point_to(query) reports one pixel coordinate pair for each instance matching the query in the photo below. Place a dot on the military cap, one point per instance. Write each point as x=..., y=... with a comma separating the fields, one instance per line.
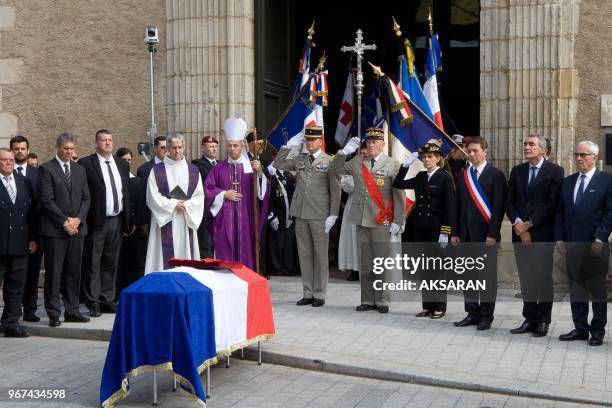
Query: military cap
x=313, y=132
x=430, y=148
x=375, y=133
x=209, y=139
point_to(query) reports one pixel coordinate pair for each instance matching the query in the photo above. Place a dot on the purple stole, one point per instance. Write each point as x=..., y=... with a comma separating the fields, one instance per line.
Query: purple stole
x=166, y=231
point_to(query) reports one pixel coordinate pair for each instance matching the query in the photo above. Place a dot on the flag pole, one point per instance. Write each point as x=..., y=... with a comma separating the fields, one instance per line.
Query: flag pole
x=256, y=153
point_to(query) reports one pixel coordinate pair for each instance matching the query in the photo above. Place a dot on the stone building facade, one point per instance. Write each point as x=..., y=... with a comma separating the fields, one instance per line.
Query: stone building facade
x=81, y=65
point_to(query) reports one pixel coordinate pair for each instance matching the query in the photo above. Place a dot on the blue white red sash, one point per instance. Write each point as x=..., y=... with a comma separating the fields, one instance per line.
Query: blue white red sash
x=478, y=196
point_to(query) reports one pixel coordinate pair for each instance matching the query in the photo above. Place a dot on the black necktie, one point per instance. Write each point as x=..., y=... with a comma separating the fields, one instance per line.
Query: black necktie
x=114, y=188
x=580, y=191
x=310, y=158
x=214, y=162
x=67, y=174
x=20, y=170
x=373, y=161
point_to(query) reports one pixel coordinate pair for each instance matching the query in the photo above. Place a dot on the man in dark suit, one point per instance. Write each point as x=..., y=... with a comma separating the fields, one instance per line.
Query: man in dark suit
x=479, y=224
x=209, y=148
x=533, y=195
x=108, y=179
x=134, y=244
x=582, y=227
x=159, y=151
x=64, y=201
x=16, y=241
x=21, y=148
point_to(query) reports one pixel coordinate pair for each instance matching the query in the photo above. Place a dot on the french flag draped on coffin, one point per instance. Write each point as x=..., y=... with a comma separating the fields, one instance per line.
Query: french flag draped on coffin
x=181, y=319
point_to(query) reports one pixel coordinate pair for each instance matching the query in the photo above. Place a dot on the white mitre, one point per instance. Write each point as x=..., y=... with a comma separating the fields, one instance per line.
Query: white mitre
x=235, y=129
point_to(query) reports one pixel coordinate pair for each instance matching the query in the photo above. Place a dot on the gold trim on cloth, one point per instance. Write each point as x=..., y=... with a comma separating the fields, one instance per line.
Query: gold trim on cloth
x=124, y=392
x=238, y=346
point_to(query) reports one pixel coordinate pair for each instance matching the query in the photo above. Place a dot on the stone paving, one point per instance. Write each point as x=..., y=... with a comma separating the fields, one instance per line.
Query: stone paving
x=398, y=346
x=76, y=365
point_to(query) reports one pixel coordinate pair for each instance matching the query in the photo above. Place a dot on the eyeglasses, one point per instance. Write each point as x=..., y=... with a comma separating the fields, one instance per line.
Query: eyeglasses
x=583, y=155
x=8, y=160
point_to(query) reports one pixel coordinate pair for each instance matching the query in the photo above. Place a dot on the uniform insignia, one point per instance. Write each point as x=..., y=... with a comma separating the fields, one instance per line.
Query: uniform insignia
x=321, y=167
x=381, y=173
x=380, y=182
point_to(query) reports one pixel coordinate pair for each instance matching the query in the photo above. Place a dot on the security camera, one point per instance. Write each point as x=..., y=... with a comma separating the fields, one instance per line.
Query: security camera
x=151, y=35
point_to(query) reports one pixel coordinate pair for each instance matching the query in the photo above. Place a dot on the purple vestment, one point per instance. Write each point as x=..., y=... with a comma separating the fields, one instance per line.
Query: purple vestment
x=232, y=228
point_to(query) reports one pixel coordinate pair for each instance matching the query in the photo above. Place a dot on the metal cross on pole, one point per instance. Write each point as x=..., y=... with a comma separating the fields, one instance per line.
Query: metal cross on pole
x=358, y=48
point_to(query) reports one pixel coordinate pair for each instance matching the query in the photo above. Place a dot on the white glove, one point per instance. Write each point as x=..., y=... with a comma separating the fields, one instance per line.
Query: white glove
x=395, y=229
x=329, y=223
x=274, y=224
x=295, y=141
x=351, y=147
x=411, y=159
x=443, y=240
x=271, y=170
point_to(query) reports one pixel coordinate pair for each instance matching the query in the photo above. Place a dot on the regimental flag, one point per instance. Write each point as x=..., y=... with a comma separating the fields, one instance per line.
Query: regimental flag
x=407, y=123
x=432, y=65
x=303, y=70
x=371, y=110
x=345, y=117
x=301, y=111
x=409, y=82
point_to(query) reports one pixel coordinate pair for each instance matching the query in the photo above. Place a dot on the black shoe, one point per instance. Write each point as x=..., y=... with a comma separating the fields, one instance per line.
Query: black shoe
x=94, y=310
x=16, y=332
x=424, y=313
x=541, y=330
x=54, y=322
x=468, y=321
x=595, y=341
x=484, y=325
x=318, y=302
x=574, y=335
x=108, y=308
x=353, y=276
x=525, y=327
x=30, y=317
x=304, y=301
x=383, y=309
x=75, y=318
x=365, y=307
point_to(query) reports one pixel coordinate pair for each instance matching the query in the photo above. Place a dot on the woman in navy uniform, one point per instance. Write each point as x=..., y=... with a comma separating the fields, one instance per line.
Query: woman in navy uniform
x=435, y=212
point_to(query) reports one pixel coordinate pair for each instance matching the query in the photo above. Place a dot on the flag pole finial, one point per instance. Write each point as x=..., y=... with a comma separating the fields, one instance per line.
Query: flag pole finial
x=430, y=19
x=377, y=71
x=322, y=62
x=311, y=30
x=396, y=27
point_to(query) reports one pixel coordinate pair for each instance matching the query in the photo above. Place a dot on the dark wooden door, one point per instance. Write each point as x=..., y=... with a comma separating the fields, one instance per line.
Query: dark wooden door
x=276, y=59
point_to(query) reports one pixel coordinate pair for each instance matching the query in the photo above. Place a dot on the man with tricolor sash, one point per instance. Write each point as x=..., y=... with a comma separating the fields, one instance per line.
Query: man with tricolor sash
x=481, y=195
x=377, y=209
x=315, y=206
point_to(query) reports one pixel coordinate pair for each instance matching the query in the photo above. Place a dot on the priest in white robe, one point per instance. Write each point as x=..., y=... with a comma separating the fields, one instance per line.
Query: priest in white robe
x=176, y=199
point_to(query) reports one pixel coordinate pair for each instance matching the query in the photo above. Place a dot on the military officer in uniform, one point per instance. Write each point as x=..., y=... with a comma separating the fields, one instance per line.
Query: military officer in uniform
x=435, y=213
x=315, y=206
x=377, y=210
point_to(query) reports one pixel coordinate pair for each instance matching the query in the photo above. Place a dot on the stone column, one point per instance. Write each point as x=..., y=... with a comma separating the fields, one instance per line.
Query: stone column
x=11, y=73
x=528, y=80
x=210, y=66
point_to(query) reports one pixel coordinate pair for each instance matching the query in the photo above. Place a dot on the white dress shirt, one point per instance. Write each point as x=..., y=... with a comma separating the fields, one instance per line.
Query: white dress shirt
x=107, y=183
x=589, y=176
